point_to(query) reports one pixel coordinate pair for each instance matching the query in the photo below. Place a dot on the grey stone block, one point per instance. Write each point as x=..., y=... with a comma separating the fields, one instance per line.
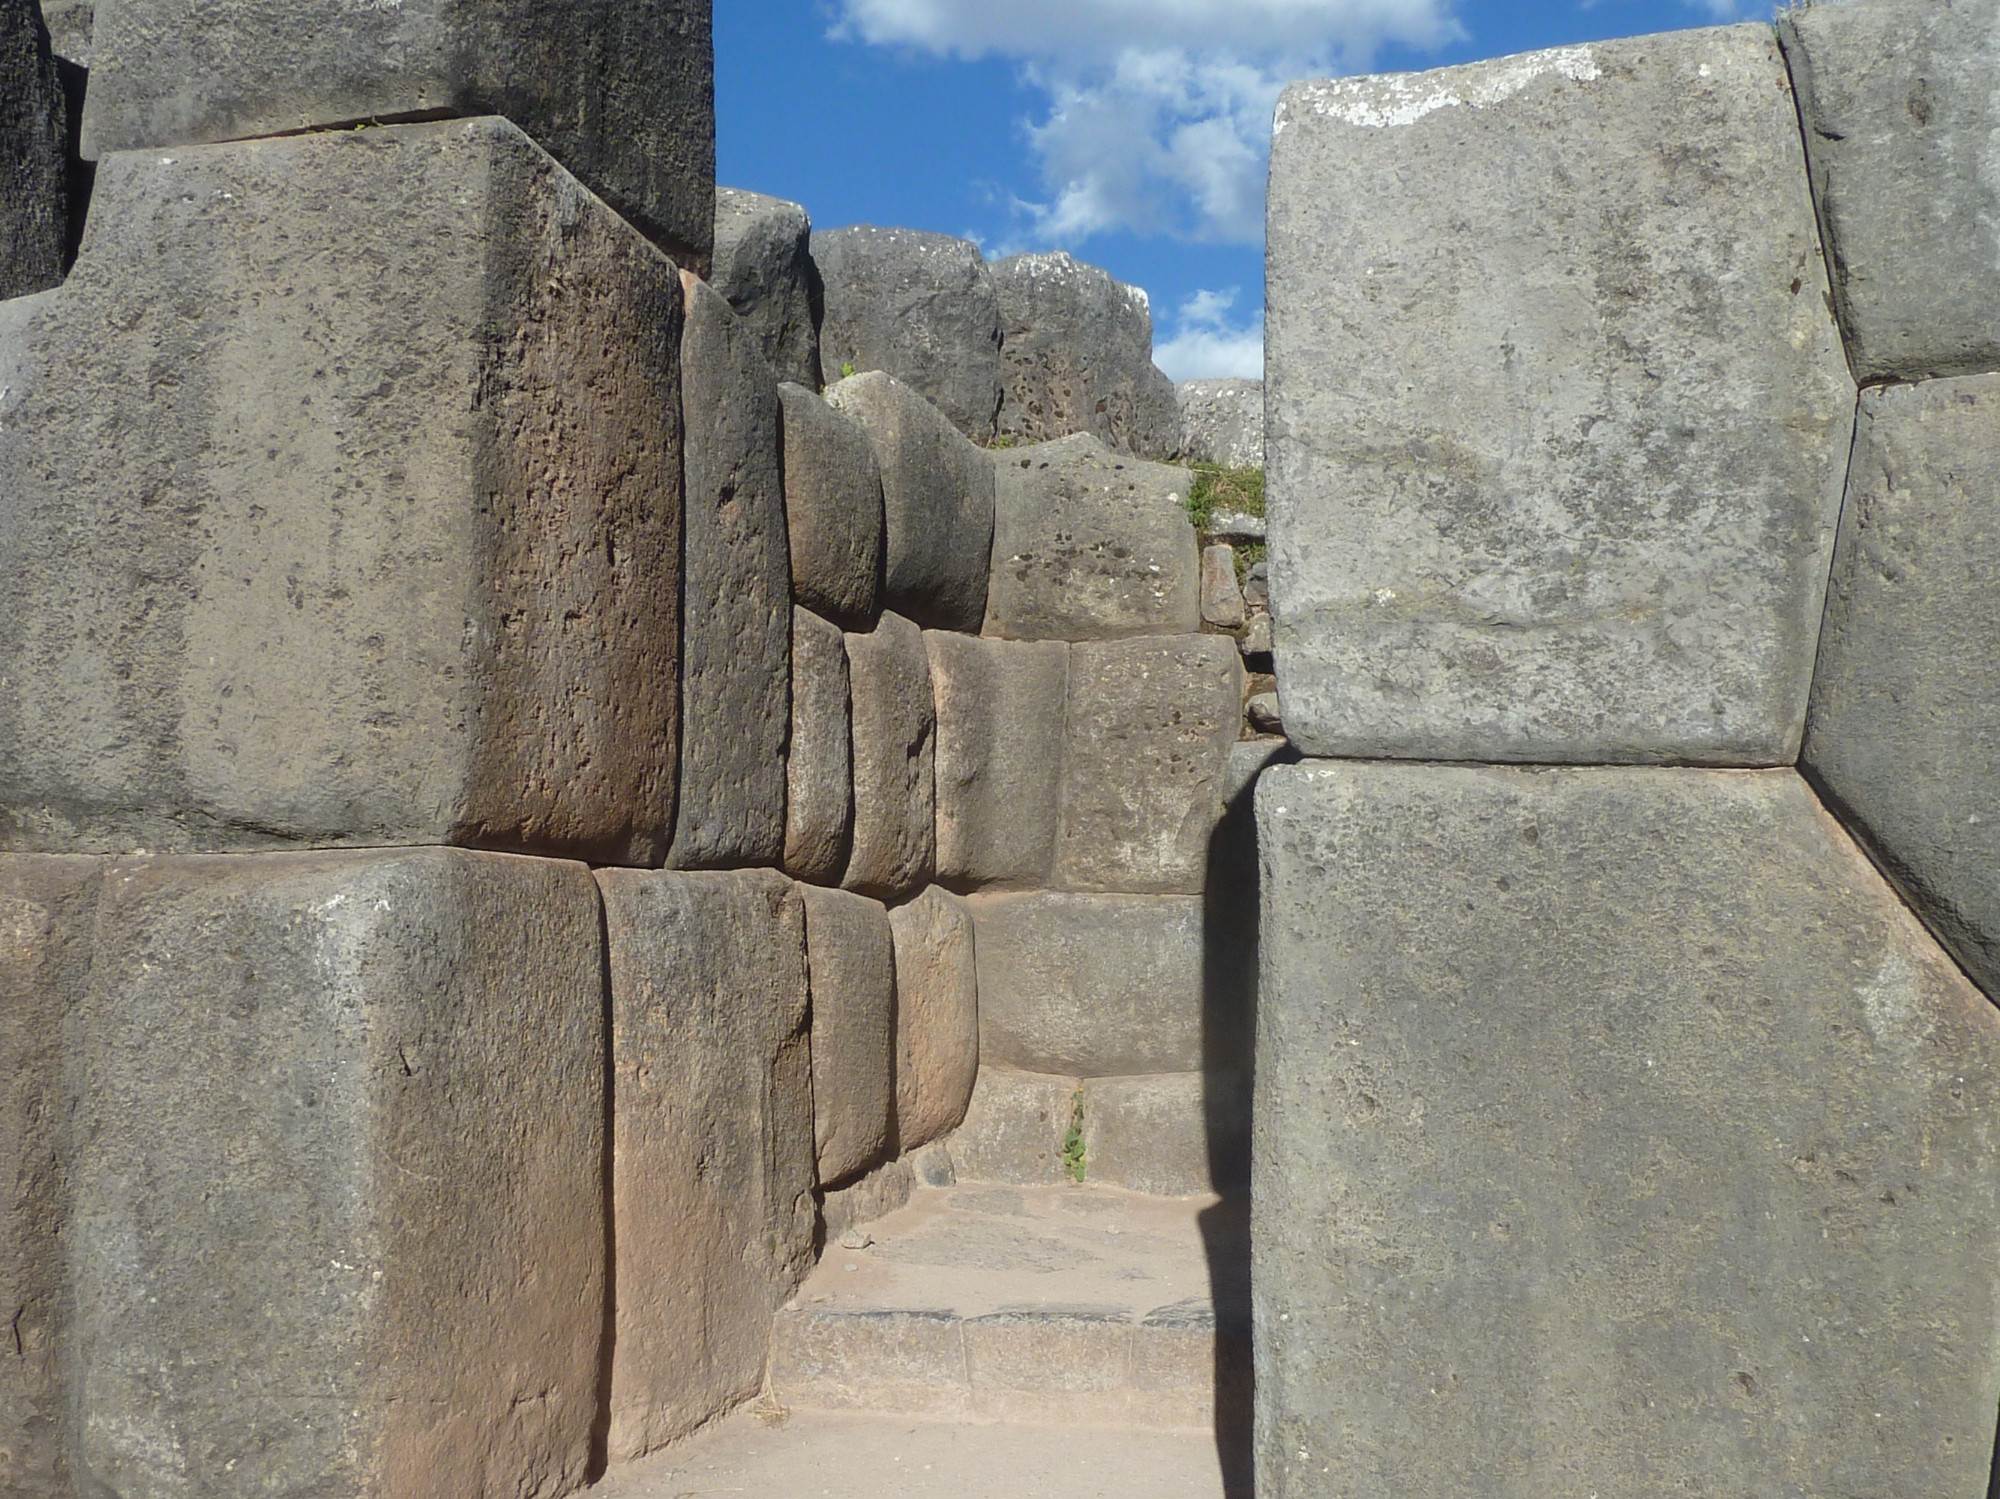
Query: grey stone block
x=937, y=1016
x=909, y=1362
x=1014, y=1128
x=713, y=1138
x=852, y=957
x=833, y=505
x=736, y=598
x=881, y=1192
x=1090, y=985
x=1000, y=706
x=339, y=1174
x=622, y=94
x=1906, y=708
x=920, y=307
x=47, y=906
x=34, y=198
x=763, y=265
x=1089, y=544
x=1076, y=355
x=819, y=768
x=937, y=502
x=70, y=24
x=1151, y=721
x=1221, y=595
x=1616, y=1130
x=1558, y=411
x=1222, y=421
x=1046, y=1361
x=1175, y=1134
x=393, y=558
x=1897, y=100
x=895, y=748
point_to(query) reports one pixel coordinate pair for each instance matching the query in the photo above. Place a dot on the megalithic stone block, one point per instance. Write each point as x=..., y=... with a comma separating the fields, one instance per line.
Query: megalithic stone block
x=894, y=721
x=622, y=94
x=1617, y=1131
x=1906, y=707
x=1559, y=414
x=852, y=956
x=393, y=557
x=819, y=770
x=339, y=1172
x=47, y=907
x=713, y=1159
x=763, y=265
x=833, y=506
x=1222, y=421
x=33, y=196
x=736, y=604
x=937, y=1016
x=1897, y=100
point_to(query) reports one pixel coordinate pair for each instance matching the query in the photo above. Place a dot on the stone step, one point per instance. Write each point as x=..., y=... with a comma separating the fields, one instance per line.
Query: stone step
x=1066, y=1305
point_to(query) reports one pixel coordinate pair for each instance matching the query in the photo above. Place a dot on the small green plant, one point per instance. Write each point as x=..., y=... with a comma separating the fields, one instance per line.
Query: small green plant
x=1248, y=556
x=847, y=370
x=1004, y=441
x=1237, y=490
x=1072, y=1149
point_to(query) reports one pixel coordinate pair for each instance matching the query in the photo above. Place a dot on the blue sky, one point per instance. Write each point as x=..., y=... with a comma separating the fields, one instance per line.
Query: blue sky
x=1129, y=132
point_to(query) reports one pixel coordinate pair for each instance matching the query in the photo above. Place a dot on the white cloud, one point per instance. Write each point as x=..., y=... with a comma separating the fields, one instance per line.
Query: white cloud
x=1208, y=345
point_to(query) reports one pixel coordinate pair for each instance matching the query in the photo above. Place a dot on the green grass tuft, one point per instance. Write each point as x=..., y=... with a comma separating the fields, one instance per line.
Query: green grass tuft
x=1072, y=1149
x=1240, y=490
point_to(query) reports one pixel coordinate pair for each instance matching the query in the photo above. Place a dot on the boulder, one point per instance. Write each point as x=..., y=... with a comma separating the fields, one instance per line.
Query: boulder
x=1089, y=544
x=736, y=598
x=1015, y=1129
x=894, y=850
x=1906, y=707
x=34, y=197
x=1222, y=421
x=622, y=94
x=1618, y=1130
x=394, y=556
x=1221, y=594
x=1076, y=355
x=920, y=307
x=338, y=1167
x=1899, y=109
x=819, y=770
x=1000, y=706
x=833, y=506
x=1149, y=727
x=713, y=1139
x=852, y=959
x=937, y=502
x=1558, y=411
x=937, y=1016
x=1174, y=1134
x=763, y=266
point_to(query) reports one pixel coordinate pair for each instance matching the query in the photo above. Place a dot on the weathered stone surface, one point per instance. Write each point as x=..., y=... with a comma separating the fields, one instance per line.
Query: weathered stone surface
x=713, y=1140
x=920, y=307
x=1174, y=1134
x=736, y=598
x=339, y=1175
x=1150, y=725
x=1089, y=544
x=1014, y=1128
x=34, y=200
x=1617, y=1130
x=46, y=910
x=878, y=1194
x=70, y=24
x=853, y=963
x=1906, y=708
x=1558, y=411
x=1000, y=706
x=1222, y=421
x=1076, y=355
x=937, y=502
x=1090, y=985
x=1258, y=639
x=1897, y=99
x=819, y=770
x=622, y=94
x=1265, y=713
x=833, y=505
x=1221, y=595
x=911, y=1362
x=937, y=1016
x=394, y=556
x=763, y=266
x=895, y=750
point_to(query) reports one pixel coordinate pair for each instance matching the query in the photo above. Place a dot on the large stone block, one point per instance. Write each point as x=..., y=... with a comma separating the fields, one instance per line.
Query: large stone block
x=921, y=307
x=1906, y=708
x=937, y=502
x=833, y=506
x=339, y=1172
x=763, y=265
x=1174, y=1134
x=713, y=1138
x=736, y=598
x=937, y=1016
x=622, y=94
x=1089, y=544
x=1222, y=421
x=1076, y=355
x=1145, y=758
x=34, y=199
x=1000, y=710
x=894, y=723
x=1090, y=985
x=47, y=906
x=1015, y=1129
x=1558, y=410
x=393, y=557
x=1617, y=1131
x=852, y=957
x=819, y=769
x=1898, y=104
